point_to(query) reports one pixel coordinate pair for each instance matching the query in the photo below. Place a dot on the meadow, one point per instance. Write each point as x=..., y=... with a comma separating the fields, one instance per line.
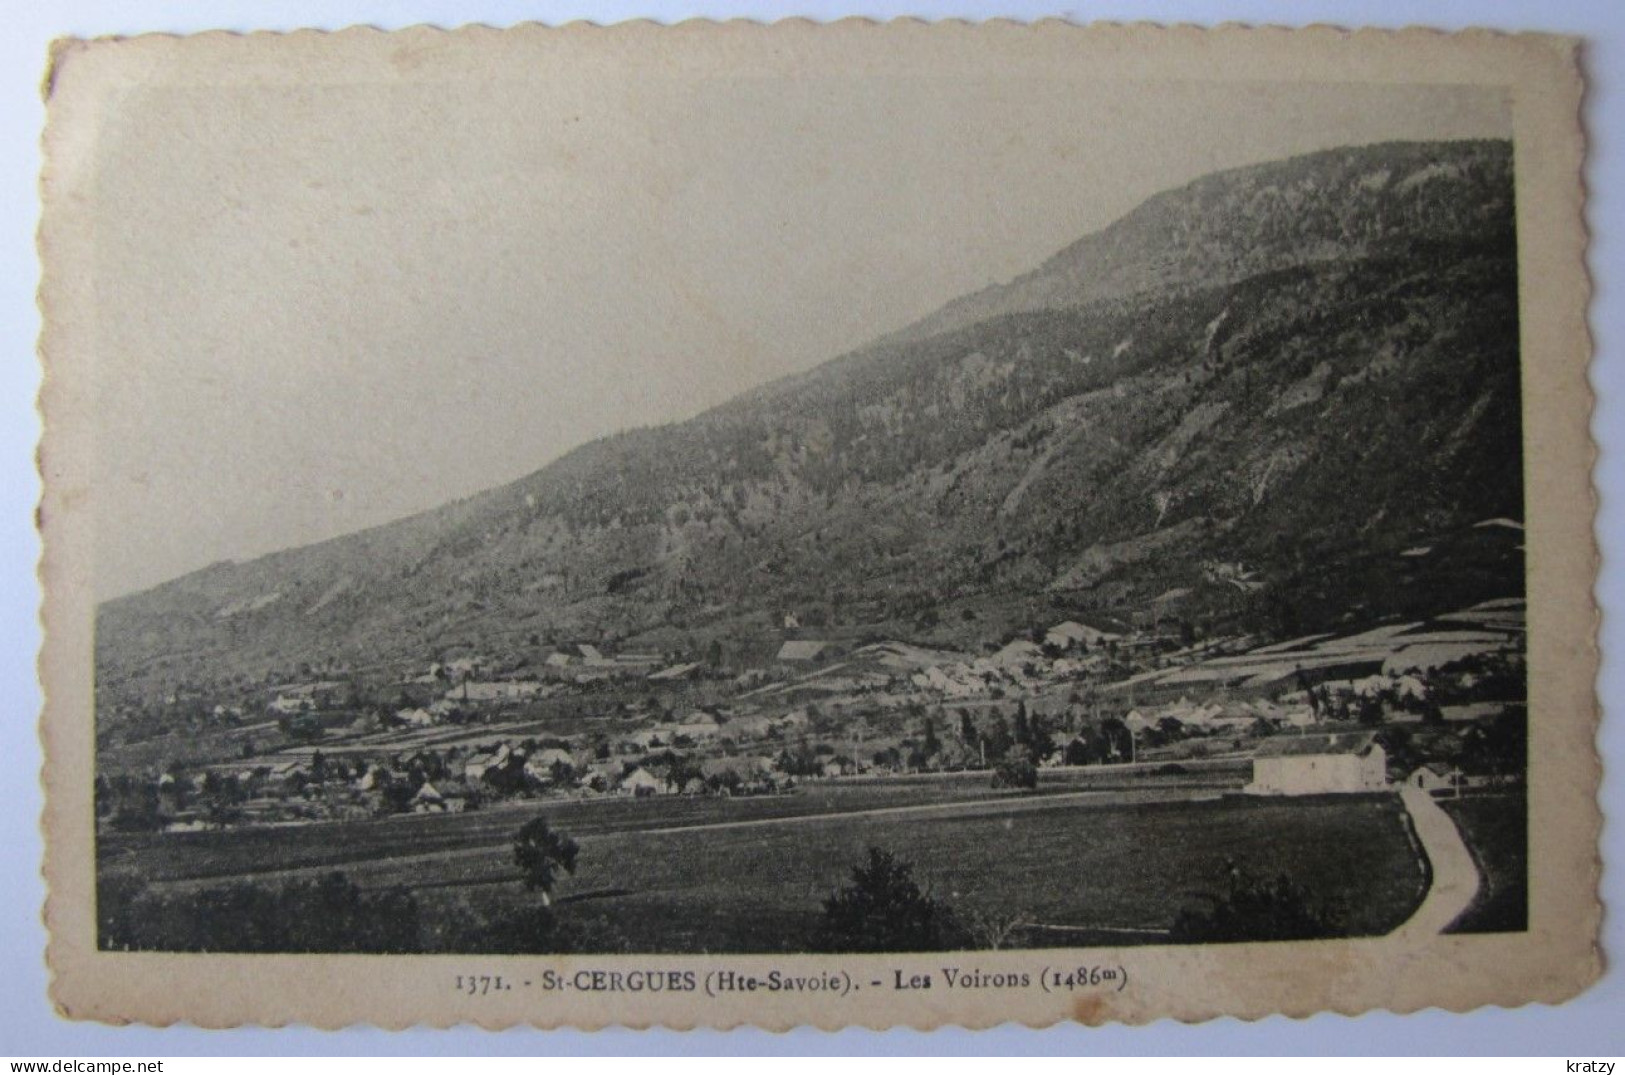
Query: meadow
x=247, y=851
x=1496, y=828
x=1080, y=865
x=1079, y=873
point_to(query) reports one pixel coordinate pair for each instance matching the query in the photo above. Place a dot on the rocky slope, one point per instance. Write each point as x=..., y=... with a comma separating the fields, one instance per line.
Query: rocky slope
x=1261, y=389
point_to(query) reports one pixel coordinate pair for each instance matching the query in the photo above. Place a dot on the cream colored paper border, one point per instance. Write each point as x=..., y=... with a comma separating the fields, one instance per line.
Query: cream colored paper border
x=1554, y=960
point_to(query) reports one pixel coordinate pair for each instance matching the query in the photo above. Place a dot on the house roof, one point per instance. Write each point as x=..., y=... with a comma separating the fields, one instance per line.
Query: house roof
x=496, y=756
x=1298, y=746
x=745, y=766
x=1074, y=631
x=801, y=650
x=642, y=776
x=494, y=689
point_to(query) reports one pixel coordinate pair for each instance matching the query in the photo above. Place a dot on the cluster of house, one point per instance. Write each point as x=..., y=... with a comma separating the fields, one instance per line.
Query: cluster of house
x=876, y=705
x=1068, y=650
x=462, y=689
x=321, y=788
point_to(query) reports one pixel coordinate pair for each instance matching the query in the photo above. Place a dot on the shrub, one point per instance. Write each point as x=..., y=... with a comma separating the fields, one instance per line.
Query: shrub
x=883, y=909
x=523, y=930
x=1016, y=771
x=540, y=853
x=1253, y=908
x=329, y=914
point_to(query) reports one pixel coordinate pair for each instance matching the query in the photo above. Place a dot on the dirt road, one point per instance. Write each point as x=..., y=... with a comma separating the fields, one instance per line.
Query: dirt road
x=1455, y=874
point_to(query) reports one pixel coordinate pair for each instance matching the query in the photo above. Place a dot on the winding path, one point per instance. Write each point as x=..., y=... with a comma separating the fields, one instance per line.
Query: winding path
x=1455, y=875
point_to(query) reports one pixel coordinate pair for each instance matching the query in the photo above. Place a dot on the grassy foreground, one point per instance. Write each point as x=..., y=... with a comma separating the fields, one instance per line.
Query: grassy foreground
x=1079, y=870
x=1496, y=829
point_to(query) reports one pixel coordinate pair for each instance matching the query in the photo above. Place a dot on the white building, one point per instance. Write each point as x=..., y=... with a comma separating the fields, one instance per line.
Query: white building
x=1319, y=765
x=416, y=718
x=641, y=781
x=494, y=691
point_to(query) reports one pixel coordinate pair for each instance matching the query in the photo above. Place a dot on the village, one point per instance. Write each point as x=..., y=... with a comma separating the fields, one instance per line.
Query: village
x=1436, y=704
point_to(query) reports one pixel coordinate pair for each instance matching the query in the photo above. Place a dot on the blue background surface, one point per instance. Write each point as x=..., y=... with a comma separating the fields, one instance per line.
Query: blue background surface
x=1594, y=1024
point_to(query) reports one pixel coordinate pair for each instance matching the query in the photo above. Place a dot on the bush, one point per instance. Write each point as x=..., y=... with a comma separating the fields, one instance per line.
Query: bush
x=1016, y=771
x=884, y=910
x=330, y=914
x=540, y=853
x=523, y=930
x=1253, y=908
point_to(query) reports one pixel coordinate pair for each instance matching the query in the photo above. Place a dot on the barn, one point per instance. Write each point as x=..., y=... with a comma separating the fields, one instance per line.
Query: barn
x=1340, y=762
x=641, y=782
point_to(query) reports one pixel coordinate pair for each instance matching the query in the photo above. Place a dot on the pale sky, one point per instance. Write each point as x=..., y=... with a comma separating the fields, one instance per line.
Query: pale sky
x=322, y=310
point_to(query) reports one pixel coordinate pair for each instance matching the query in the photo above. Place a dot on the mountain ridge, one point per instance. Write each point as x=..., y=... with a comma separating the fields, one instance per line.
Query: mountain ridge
x=1182, y=368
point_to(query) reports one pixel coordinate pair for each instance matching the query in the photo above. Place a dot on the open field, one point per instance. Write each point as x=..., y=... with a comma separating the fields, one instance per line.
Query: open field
x=160, y=752
x=250, y=851
x=1085, y=865
x=1117, y=873
x=1496, y=829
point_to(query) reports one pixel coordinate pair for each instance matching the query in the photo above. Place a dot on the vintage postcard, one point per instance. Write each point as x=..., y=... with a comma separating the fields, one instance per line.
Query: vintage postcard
x=836, y=525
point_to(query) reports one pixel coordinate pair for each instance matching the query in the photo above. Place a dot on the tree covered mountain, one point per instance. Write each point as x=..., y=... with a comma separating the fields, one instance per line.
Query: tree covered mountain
x=1251, y=400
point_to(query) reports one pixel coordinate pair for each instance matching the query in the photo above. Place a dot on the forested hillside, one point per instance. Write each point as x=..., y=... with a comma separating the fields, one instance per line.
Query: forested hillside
x=1246, y=402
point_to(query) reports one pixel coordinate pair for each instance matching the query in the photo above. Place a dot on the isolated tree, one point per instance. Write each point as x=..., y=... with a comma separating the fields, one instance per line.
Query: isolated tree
x=540, y=853
x=999, y=740
x=1162, y=500
x=1040, y=738
x=883, y=909
x=993, y=930
x=929, y=744
x=1119, y=740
